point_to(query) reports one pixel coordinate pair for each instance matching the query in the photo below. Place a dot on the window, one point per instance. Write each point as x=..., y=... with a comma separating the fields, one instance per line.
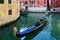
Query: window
x=26, y=2
x=1, y=1
x=54, y=4
x=9, y=12
x=54, y=0
x=33, y=2
x=9, y=1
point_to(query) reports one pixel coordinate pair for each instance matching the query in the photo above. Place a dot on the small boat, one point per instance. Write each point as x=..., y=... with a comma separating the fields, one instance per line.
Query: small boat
x=23, y=13
x=39, y=24
x=23, y=10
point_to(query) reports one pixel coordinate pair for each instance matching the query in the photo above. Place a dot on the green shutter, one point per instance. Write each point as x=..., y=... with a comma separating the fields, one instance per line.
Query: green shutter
x=1, y=1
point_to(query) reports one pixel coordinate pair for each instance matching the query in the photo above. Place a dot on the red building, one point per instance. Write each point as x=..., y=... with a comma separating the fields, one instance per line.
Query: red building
x=41, y=3
x=35, y=3
x=55, y=3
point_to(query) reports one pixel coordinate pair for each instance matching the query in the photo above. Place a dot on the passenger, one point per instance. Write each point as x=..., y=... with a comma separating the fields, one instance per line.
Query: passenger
x=37, y=24
x=44, y=17
x=42, y=21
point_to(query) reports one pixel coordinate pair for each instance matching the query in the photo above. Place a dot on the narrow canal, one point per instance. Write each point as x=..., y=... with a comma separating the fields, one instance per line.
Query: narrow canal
x=50, y=31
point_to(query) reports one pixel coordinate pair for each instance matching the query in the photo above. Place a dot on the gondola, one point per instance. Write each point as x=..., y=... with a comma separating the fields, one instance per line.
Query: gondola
x=39, y=24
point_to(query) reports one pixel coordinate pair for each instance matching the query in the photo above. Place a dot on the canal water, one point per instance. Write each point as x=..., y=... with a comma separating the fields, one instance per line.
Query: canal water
x=50, y=31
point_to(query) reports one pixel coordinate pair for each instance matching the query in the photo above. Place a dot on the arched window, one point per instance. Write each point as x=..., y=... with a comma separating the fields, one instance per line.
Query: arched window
x=9, y=1
x=1, y=1
x=9, y=12
x=54, y=3
x=26, y=2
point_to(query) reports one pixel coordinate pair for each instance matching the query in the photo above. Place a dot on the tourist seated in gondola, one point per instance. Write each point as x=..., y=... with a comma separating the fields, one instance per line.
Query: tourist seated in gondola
x=43, y=19
x=37, y=24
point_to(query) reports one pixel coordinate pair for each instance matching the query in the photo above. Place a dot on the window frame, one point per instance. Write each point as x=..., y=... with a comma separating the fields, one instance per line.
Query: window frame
x=2, y=2
x=9, y=1
x=9, y=12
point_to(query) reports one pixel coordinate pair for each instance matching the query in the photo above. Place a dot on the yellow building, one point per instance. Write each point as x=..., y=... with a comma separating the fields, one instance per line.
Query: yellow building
x=9, y=8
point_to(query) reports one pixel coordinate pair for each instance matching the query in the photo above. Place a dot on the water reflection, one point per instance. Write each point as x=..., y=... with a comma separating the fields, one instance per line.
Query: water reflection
x=56, y=26
x=48, y=32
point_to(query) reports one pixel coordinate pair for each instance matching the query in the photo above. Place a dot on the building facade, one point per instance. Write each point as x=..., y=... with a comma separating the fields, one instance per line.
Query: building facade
x=9, y=8
x=34, y=3
x=41, y=3
x=55, y=3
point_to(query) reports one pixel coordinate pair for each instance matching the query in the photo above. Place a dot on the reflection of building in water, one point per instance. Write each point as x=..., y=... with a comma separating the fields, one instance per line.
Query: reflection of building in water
x=9, y=8
x=35, y=3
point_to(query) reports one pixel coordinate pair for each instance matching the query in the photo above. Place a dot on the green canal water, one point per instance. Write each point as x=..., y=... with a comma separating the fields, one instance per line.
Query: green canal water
x=50, y=31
